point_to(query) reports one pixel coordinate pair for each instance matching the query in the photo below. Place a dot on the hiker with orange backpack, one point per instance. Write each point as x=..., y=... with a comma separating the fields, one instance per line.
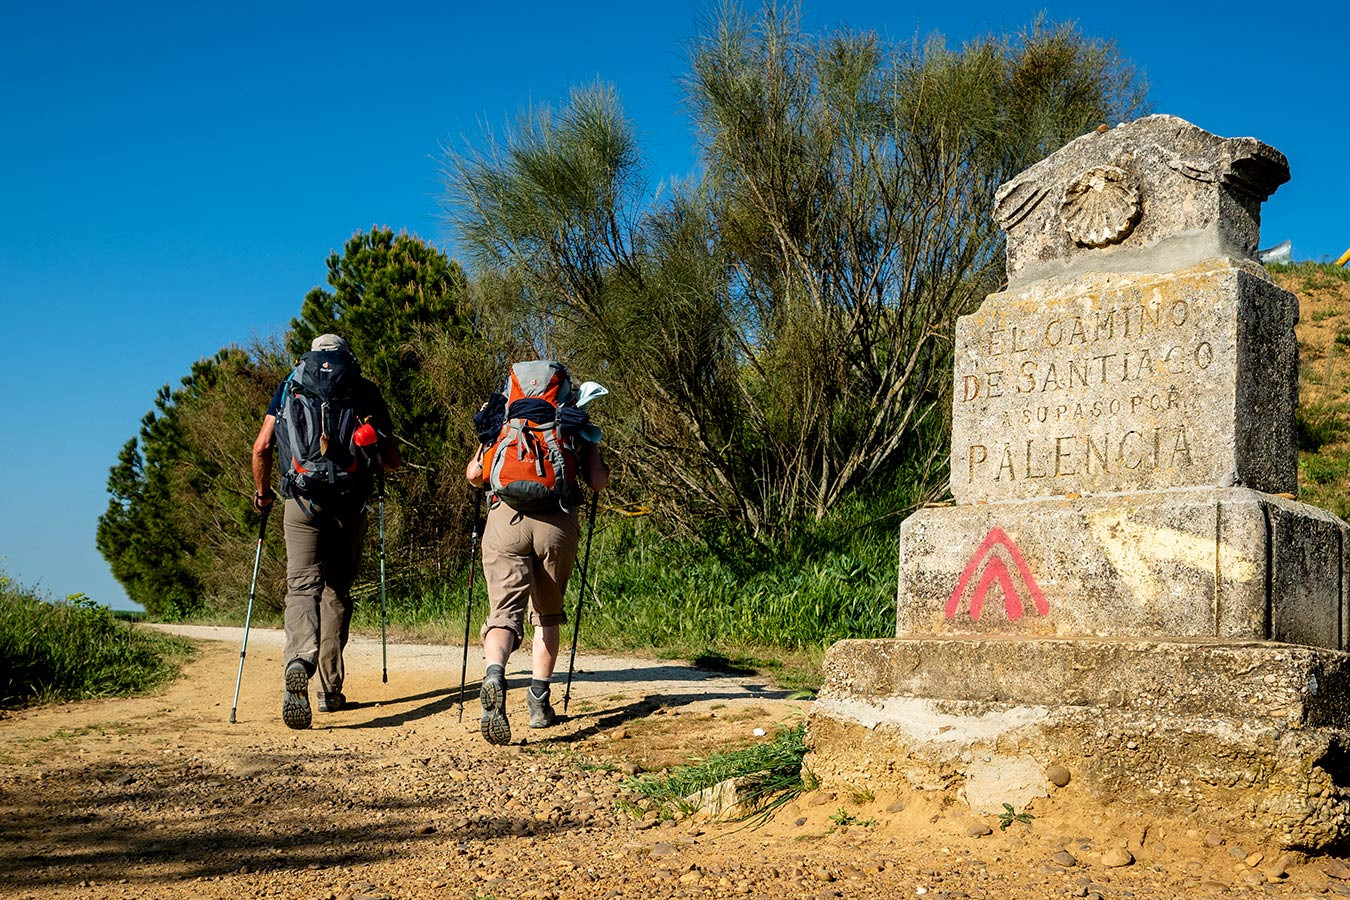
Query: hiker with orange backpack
x=536, y=449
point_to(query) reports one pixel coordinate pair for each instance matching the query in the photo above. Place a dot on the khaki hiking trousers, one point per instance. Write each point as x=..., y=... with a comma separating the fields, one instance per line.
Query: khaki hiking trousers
x=527, y=559
x=323, y=550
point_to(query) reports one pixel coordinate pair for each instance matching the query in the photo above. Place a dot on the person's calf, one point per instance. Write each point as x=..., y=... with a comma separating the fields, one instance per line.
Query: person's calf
x=544, y=651
x=498, y=644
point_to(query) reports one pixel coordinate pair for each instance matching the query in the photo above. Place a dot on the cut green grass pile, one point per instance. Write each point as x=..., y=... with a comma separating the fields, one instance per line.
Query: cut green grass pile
x=74, y=649
x=769, y=774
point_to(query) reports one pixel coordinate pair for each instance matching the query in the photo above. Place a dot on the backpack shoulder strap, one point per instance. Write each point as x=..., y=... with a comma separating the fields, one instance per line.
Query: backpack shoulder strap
x=285, y=394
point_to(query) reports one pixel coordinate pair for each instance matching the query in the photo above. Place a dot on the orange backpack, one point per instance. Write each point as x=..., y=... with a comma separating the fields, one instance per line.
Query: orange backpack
x=532, y=465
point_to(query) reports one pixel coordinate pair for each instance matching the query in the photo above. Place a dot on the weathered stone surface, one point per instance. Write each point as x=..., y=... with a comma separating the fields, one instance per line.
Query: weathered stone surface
x=1152, y=728
x=1309, y=555
x=1185, y=679
x=1215, y=563
x=1151, y=195
x=1280, y=786
x=721, y=800
x=994, y=779
x=1108, y=383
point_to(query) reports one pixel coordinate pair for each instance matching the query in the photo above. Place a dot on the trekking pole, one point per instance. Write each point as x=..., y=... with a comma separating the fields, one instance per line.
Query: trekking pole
x=468, y=604
x=581, y=596
x=384, y=647
x=248, y=616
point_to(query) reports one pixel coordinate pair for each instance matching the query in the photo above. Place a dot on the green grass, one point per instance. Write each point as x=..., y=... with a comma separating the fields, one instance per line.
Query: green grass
x=74, y=649
x=1319, y=424
x=741, y=608
x=434, y=614
x=1320, y=469
x=1322, y=419
x=771, y=771
x=771, y=607
x=1324, y=479
x=1313, y=276
x=655, y=592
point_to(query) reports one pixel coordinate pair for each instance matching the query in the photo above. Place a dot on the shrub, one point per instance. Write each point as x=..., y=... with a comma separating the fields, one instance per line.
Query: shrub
x=75, y=649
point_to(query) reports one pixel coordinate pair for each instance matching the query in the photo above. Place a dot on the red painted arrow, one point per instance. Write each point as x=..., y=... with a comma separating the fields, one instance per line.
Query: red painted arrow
x=993, y=570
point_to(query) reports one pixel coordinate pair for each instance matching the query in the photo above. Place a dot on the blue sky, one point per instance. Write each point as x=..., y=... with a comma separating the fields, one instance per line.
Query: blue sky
x=173, y=176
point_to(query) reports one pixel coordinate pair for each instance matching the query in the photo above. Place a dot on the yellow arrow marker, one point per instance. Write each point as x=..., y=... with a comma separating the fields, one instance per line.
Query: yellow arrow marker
x=1132, y=546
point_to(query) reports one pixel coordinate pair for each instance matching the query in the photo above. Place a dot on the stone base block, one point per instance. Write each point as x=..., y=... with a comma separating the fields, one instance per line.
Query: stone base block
x=1249, y=737
x=1225, y=563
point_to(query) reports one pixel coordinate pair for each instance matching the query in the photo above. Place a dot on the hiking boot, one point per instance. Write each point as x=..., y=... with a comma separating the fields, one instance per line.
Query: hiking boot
x=331, y=703
x=495, y=728
x=295, y=703
x=541, y=711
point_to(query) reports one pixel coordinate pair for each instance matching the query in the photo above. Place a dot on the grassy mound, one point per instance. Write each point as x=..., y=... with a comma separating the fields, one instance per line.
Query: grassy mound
x=74, y=649
x=1323, y=418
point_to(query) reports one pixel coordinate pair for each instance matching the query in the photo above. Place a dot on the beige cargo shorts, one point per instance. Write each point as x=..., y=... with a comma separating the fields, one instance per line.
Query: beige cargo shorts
x=527, y=559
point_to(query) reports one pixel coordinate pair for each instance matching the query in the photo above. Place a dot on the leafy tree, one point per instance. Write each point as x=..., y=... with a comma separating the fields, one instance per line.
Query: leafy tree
x=392, y=297
x=137, y=538
x=779, y=328
x=179, y=527
x=387, y=289
x=217, y=414
x=180, y=505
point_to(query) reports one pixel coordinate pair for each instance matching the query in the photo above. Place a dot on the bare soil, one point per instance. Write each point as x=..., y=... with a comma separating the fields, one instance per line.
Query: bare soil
x=160, y=797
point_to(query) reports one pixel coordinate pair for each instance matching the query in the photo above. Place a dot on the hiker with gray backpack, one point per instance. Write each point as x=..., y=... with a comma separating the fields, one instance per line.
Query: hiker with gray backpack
x=331, y=430
x=537, y=448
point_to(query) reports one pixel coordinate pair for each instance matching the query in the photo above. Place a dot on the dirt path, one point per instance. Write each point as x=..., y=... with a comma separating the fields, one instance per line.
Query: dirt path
x=160, y=797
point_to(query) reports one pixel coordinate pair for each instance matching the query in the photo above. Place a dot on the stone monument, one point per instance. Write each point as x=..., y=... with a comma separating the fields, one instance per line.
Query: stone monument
x=1124, y=586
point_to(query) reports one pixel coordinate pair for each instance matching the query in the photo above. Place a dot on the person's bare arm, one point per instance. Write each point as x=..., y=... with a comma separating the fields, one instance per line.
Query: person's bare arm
x=473, y=472
x=596, y=469
x=262, y=463
x=390, y=457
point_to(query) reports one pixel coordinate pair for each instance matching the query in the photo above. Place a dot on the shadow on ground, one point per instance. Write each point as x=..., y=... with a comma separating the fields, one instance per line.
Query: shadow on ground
x=447, y=701
x=220, y=826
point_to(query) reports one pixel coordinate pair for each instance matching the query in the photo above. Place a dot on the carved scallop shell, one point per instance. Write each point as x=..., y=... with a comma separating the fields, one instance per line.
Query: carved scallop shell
x=1101, y=206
